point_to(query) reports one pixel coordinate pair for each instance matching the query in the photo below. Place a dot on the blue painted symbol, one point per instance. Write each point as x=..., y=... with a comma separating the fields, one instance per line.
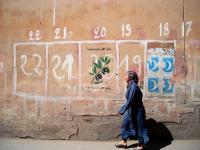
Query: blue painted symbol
x=153, y=85
x=152, y=63
x=168, y=64
x=168, y=87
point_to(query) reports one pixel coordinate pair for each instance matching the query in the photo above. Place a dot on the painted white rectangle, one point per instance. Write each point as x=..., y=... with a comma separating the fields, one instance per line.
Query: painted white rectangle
x=79, y=43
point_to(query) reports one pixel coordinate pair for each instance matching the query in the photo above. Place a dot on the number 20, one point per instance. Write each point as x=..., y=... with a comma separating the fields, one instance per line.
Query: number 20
x=99, y=32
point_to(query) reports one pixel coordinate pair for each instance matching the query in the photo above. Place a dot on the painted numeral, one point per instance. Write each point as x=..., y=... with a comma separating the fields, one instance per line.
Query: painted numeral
x=137, y=61
x=66, y=66
x=164, y=29
x=186, y=28
x=99, y=32
x=126, y=30
x=60, y=33
x=23, y=63
x=36, y=69
x=34, y=36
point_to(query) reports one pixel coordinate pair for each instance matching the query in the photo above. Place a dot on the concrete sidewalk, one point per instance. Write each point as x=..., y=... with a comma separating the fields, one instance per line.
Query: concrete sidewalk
x=29, y=144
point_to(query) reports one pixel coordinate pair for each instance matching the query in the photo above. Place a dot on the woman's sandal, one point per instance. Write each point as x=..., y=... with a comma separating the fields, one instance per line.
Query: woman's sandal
x=121, y=145
x=139, y=148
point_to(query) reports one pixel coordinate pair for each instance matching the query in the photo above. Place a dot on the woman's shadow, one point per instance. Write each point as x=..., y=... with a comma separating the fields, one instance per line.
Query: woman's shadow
x=159, y=135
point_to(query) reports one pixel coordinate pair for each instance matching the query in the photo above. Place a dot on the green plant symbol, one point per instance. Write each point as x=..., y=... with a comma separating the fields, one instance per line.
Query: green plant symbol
x=99, y=69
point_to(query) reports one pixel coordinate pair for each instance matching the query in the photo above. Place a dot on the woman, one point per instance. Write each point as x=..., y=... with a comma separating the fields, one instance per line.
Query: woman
x=133, y=114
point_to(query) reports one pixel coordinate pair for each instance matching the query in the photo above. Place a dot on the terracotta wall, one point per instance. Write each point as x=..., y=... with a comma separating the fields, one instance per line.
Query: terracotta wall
x=62, y=65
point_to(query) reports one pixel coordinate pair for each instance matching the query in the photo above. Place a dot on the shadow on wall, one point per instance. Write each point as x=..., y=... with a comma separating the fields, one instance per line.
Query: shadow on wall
x=159, y=135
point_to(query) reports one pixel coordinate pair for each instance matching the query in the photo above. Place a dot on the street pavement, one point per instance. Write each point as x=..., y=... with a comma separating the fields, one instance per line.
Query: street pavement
x=31, y=144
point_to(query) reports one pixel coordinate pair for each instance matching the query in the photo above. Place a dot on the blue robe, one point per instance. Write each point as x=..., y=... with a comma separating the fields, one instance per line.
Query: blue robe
x=133, y=115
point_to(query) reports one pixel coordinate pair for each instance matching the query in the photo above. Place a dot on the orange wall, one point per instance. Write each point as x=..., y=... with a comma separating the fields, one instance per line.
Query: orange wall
x=48, y=52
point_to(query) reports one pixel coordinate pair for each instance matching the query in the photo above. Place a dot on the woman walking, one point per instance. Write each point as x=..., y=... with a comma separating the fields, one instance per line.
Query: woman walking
x=133, y=114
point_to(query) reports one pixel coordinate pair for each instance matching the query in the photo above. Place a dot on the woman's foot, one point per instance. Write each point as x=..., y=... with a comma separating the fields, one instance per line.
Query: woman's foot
x=139, y=147
x=121, y=144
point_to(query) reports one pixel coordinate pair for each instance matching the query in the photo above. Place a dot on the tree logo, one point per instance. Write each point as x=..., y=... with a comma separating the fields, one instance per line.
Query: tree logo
x=99, y=69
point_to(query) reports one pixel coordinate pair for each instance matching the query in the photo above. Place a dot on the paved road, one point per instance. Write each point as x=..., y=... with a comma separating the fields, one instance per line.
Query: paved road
x=29, y=144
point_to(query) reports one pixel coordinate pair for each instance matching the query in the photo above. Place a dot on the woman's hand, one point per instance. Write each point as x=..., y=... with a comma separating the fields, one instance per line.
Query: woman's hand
x=119, y=113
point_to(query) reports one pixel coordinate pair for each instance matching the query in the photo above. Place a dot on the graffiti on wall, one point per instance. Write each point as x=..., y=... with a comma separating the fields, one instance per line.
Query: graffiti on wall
x=78, y=71
x=160, y=69
x=99, y=69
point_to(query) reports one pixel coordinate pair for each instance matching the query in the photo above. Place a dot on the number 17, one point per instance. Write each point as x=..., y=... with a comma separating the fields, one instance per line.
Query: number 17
x=186, y=28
